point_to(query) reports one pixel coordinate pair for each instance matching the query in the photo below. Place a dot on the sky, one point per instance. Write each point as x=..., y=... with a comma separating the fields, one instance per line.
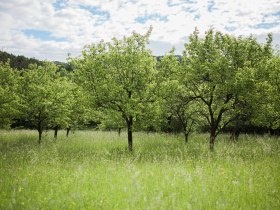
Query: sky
x=55, y=29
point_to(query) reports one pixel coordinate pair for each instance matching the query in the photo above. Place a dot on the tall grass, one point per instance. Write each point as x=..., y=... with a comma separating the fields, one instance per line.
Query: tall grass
x=94, y=170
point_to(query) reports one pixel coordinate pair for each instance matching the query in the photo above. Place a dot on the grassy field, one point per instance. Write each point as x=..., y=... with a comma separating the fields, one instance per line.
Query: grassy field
x=93, y=170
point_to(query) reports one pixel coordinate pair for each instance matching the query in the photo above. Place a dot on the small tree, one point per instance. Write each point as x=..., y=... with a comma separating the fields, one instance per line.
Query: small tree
x=80, y=112
x=111, y=120
x=60, y=115
x=266, y=104
x=43, y=97
x=274, y=67
x=176, y=100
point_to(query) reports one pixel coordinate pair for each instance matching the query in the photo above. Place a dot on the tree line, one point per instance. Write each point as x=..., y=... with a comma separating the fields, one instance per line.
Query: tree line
x=220, y=82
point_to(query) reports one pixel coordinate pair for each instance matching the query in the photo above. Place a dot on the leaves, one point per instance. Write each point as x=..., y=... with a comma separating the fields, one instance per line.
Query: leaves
x=119, y=75
x=220, y=81
x=46, y=97
x=9, y=98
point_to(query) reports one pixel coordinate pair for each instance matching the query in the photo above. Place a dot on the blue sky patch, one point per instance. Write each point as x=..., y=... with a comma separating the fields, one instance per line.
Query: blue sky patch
x=60, y=4
x=145, y=18
x=96, y=11
x=171, y=4
x=266, y=25
x=276, y=14
x=211, y=6
x=42, y=35
x=196, y=17
x=189, y=9
x=230, y=28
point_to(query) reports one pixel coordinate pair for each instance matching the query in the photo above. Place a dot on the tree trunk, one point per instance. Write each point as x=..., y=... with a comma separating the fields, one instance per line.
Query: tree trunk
x=55, y=132
x=119, y=131
x=235, y=131
x=234, y=134
x=129, y=132
x=68, y=131
x=169, y=121
x=40, y=135
x=186, y=134
x=212, y=139
x=40, y=131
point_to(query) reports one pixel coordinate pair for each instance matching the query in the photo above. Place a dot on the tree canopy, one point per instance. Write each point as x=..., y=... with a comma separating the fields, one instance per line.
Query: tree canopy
x=9, y=97
x=220, y=81
x=222, y=70
x=119, y=76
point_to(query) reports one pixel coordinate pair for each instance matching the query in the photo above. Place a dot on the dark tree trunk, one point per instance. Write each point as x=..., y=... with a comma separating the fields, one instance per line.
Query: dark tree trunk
x=186, y=133
x=55, y=132
x=214, y=126
x=40, y=131
x=236, y=130
x=119, y=131
x=129, y=132
x=68, y=131
x=129, y=121
x=234, y=134
x=169, y=120
x=186, y=137
x=40, y=135
x=212, y=138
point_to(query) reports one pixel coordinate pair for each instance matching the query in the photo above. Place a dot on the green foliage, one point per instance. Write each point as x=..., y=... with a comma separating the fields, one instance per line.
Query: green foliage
x=9, y=98
x=274, y=77
x=18, y=62
x=111, y=120
x=223, y=74
x=113, y=71
x=176, y=99
x=80, y=112
x=220, y=81
x=267, y=109
x=46, y=97
x=119, y=75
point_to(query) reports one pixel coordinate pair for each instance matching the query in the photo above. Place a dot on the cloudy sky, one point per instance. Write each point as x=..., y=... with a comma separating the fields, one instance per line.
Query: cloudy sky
x=50, y=29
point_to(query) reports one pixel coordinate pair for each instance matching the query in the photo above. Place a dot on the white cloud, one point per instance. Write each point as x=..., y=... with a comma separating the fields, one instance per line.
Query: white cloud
x=173, y=21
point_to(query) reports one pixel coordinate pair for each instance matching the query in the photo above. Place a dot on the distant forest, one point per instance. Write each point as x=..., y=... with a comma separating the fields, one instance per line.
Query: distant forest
x=21, y=62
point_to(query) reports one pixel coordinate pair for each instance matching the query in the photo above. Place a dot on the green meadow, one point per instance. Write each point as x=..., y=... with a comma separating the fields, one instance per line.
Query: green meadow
x=94, y=170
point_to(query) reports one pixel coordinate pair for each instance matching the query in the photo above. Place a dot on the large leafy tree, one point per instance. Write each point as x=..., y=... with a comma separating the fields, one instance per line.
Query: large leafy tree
x=221, y=71
x=250, y=59
x=120, y=77
x=208, y=72
x=9, y=98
